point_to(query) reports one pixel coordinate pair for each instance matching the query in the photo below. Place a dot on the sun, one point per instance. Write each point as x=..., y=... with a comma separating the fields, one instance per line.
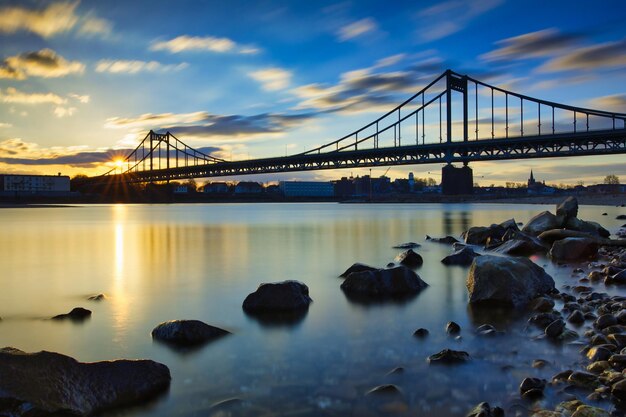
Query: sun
x=118, y=163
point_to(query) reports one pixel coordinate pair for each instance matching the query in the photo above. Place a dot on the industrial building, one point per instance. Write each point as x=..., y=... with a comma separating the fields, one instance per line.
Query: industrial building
x=306, y=189
x=34, y=184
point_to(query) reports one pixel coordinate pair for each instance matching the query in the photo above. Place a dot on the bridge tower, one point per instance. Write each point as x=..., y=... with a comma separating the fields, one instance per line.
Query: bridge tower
x=455, y=180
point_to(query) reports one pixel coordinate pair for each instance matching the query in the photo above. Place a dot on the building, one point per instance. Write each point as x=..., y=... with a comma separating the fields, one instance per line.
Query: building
x=181, y=189
x=34, y=184
x=306, y=189
x=216, y=188
x=246, y=187
x=537, y=187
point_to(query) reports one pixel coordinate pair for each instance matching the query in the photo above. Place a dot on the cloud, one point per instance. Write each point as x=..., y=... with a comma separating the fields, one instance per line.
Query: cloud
x=84, y=99
x=202, y=43
x=92, y=26
x=134, y=66
x=615, y=102
x=61, y=112
x=44, y=63
x=154, y=121
x=542, y=43
x=449, y=17
x=604, y=55
x=5, y=125
x=12, y=95
x=272, y=79
x=357, y=29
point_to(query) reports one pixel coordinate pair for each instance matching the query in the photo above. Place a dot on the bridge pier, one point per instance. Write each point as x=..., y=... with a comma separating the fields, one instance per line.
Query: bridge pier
x=455, y=181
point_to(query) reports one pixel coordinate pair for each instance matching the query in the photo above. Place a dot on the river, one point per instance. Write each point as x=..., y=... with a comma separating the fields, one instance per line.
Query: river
x=162, y=262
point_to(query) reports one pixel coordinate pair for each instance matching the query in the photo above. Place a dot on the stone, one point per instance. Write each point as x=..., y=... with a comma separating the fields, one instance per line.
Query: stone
x=551, y=236
x=590, y=227
x=409, y=258
x=478, y=235
x=187, y=332
x=598, y=353
x=486, y=330
x=448, y=357
x=542, y=304
x=394, y=282
x=598, y=367
x=447, y=240
x=97, y=297
x=453, y=328
x=407, y=245
x=509, y=224
x=77, y=314
x=621, y=217
x=618, y=361
x=605, y=321
x=520, y=247
x=555, y=329
x=542, y=320
x=589, y=411
x=506, y=281
x=618, y=390
x=387, y=389
x=574, y=249
x=463, y=257
x=542, y=222
x=48, y=383
x=485, y=410
x=357, y=267
x=421, y=333
x=282, y=296
x=568, y=208
x=532, y=387
x=583, y=380
x=617, y=279
x=539, y=363
x=576, y=317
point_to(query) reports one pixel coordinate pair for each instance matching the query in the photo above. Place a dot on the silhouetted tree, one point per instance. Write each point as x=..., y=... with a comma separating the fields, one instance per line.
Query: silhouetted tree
x=611, y=179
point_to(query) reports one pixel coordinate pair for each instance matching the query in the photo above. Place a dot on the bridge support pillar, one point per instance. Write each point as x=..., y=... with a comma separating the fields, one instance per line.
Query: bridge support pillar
x=455, y=181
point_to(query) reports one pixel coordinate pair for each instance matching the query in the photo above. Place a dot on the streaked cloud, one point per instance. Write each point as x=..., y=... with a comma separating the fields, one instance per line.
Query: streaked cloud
x=61, y=112
x=154, y=121
x=135, y=66
x=542, y=43
x=13, y=95
x=186, y=43
x=600, y=56
x=5, y=125
x=357, y=29
x=272, y=79
x=84, y=99
x=44, y=63
x=449, y=17
x=92, y=26
x=614, y=102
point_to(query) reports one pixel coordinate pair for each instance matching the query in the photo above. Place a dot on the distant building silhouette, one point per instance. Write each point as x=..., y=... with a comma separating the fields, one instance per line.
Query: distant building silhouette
x=537, y=187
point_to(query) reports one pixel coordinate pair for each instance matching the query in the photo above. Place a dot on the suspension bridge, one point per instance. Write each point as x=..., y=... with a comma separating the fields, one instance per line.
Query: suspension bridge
x=454, y=119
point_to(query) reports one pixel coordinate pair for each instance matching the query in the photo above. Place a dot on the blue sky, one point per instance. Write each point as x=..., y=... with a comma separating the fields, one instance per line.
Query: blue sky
x=83, y=81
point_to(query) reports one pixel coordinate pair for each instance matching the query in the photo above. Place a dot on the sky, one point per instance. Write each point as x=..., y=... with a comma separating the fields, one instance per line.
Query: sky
x=82, y=82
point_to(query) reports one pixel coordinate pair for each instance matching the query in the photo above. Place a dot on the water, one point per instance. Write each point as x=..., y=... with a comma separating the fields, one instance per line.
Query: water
x=164, y=262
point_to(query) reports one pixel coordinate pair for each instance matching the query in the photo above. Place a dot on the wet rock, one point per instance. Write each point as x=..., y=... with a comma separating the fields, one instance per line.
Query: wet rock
x=407, y=245
x=539, y=363
x=509, y=224
x=617, y=279
x=447, y=240
x=583, y=380
x=485, y=410
x=396, y=371
x=186, y=332
x=542, y=304
x=463, y=256
x=357, y=267
x=598, y=367
x=576, y=317
x=97, y=297
x=520, y=247
x=568, y=208
x=621, y=217
x=387, y=389
x=555, y=329
x=562, y=376
x=618, y=361
x=542, y=320
x=589, y=411
x=542, y=222
x=618, y=390
x=618, y=340
x=547, y=413
x=605, y=321
x=393, y=282
x=590, y=227
x=598, y=353
x=486, y=330
x=532, y=387
x=421, y=333
x=279, y=297
x=448, y=357
x=77, y=314
x=47, y=383
x=453, y=328
x=510, y=282
x=478, y=235
x=409, y=258
x=553, y=235
x=574, y=249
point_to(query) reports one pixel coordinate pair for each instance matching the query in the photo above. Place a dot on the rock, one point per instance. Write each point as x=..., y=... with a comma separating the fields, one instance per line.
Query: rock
x=448, y=357
x=542, y=304
x=486, y=330
x=357, y=267
x=511, y=282
x=555, y=329
x=618, y=361
x=568, y=208
x=574, y=249
x=598, y=367
x=542, y=320
x=589, y=411
x=621, y=217
x=393, y=282
x=463, y=256
x=186, y=332
x=577, y=317
x=387, y=389
x=98, y=297
x=617, y=279
x=407, y=245
x=583, y=380
x=410, y=259
x=453, y=328
x=562, y=376
x=77, y=314
x=551, y=236
x=598, y=353
x=478, y=235
x=448, y=240
x=542, y=222
x=421, y=333
x=484, y=410
x=539, y=363
x=590, y=227
x=618, y=390
x=509, y=224
x=532, y=387
x=519, y=247
x=279, y=297
x=47, y=383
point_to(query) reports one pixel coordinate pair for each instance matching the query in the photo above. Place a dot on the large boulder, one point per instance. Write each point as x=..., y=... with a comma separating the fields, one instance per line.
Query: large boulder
x=357, y=267
x=568, y=208
x=506, y=281
x=77, y=314
x=463, y=256
x=551, y=236
x=186, y=332
x=278, y=297
x=447, y=240
x=520, y=247
x=574, y=249
x=478, y=235
x=382, y=283
x=542, y=222
x=410, y=258
x=47, y=383
x=590, y=227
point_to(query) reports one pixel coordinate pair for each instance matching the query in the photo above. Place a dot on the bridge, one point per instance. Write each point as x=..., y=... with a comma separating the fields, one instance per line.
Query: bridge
x=454, y=119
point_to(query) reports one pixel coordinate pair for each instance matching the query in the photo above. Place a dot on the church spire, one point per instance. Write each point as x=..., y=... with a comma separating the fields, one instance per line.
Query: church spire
x=532, y=178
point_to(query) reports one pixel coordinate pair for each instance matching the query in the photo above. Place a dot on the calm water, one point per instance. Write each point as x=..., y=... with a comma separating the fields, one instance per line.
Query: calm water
x=164, y=262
